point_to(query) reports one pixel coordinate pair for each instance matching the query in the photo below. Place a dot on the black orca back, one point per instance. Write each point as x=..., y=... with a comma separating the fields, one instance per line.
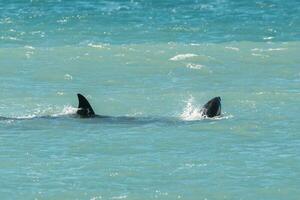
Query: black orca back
x=84, y=107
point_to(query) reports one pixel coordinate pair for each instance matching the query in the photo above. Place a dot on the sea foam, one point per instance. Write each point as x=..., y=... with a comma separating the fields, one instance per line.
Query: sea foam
x=183, y=56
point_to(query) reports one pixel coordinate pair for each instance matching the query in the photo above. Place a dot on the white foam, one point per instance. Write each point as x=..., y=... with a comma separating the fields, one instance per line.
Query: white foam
x=52, y=111
x=277, y=49
x=135, y=114
x=260, y=55
x=99, y=46
x=9, y=38
x=68, y=77
x=270, y=49
x=28, y=116
x=63, y=20
x=268, y=38
x=257, y=49
x=120, y=197
x=183, y=56
x=67, y=110
x=29, y=47
x=96, y=198
x=232, y=48
x=191, y=111
x=195, y=44
x=194, y=66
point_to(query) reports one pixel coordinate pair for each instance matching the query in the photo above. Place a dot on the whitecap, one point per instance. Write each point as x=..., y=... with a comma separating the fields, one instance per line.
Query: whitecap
x=183, y=56
x=9, y=38
x=120, y=197
x=113, y=174
x=232, y=48
x=270, y=49
x=259, y=55
x=95, y=45
x=195, y=44
x=277, y=49
x=96, y=198
x=29, y=47
x=257, y=49
x=68, y=77
x=62, y=21
x=194, y=66
x=99, y=46
x=268, y=38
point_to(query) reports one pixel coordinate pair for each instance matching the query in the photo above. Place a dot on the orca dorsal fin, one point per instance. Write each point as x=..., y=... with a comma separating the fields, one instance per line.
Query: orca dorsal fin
x=84, y=107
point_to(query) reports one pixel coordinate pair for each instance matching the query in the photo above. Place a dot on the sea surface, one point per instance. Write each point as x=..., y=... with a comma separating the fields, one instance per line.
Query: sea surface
x=150, y=64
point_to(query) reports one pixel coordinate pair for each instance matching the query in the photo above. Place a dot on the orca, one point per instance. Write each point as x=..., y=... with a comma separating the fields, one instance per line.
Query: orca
x=212, y=108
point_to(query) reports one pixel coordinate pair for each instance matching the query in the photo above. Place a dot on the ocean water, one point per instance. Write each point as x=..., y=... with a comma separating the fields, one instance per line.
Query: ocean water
x=158, y=62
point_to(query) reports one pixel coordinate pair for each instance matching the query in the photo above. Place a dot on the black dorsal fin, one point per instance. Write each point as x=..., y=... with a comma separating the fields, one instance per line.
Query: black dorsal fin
x=84, y=107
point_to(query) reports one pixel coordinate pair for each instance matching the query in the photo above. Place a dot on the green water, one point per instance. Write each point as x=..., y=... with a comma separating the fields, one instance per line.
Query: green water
x=159, y=62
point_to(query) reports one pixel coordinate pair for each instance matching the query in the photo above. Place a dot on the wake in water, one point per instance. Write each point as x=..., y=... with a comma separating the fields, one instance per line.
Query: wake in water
x=48, y=112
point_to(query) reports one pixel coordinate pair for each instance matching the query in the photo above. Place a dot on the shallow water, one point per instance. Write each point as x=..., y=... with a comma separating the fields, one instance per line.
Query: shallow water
x=156, y=62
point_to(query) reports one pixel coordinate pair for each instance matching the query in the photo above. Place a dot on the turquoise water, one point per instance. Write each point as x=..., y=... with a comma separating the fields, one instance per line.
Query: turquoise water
x=157, y=61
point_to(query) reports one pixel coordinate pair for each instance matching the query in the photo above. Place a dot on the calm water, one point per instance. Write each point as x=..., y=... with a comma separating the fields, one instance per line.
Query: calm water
x=157, y=61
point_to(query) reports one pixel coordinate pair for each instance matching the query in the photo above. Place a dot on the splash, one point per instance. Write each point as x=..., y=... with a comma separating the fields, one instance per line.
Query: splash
x=191, y=111
x=67, y=110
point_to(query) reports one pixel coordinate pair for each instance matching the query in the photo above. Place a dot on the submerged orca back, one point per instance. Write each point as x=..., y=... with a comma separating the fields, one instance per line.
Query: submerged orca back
x=84, y=107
